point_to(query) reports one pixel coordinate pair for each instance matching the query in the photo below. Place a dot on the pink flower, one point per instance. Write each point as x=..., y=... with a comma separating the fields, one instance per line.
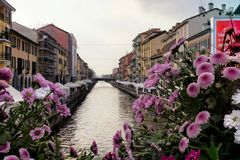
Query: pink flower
x=183, y=126
x=164, y=157
x=128, y=136
x=174, y=48
x=47, y=129
x=202, y=117
x=117, y=139
x=6, y=97
x=219, y=58
x=29, y=95
x=205, y=67
x=193, y=155
x=37, y=133
x=24, y=154
x=3, y=84
x=38, y=78
x=181, y=41
x=5, y=74
x=63, y=110
x=57, y=89
x=193, y=90
x=172, y=98
x=94, y=147
x=5, y=148
x=11, y=157
x=183, y=144
x=205, y=80
x=126, y=126
x=152, y=80
x=73, y=152
x=231, y=73
x=199, y=60
x=139, y=117
x=193, y=130
x=161, y=68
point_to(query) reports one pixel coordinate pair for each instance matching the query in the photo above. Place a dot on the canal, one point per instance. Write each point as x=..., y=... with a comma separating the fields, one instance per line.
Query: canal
x=102, y=113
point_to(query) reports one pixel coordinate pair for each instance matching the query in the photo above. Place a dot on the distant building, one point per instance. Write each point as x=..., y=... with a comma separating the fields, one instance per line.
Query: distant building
x=48, y=56
x=24, y=60
x=68, y=42
x=198, y=23
x=137, y=64
x=5, y=26
x=62, y=63
x=199, y=41
x=125, y=72
x=115, y=73
x=151, y=47
x=78, y=67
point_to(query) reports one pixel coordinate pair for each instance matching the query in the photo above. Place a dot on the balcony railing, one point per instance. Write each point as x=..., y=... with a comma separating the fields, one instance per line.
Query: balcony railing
x=5, y=56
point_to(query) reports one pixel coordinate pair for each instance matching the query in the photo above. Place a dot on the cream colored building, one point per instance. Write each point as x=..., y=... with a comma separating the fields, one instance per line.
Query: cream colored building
x=24, y=60
x=62, y=69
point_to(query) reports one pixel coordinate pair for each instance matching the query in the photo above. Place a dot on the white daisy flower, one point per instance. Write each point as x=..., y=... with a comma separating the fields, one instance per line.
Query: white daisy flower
x=232, y=120
x=236, y=97
x=237, y=137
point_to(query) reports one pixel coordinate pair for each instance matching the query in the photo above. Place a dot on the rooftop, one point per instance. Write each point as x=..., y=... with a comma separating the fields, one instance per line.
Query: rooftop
x=25, y=31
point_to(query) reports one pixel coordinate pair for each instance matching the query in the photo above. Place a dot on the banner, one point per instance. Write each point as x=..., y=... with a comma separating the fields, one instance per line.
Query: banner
x=218, y=24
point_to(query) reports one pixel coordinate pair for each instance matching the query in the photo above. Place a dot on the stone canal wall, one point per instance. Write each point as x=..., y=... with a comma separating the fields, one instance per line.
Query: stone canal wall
x=127, y=89
x=77, y=96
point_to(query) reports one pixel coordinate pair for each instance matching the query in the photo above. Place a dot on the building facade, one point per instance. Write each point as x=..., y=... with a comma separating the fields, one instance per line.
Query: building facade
x=24, y=58
x=152, y=46
x=5, y=26
x=62, y=65
x=48, y=56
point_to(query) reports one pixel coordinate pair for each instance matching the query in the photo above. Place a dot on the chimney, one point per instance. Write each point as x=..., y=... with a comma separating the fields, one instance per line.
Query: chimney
x=201, y=9
x=210, y=6
x=223, y=7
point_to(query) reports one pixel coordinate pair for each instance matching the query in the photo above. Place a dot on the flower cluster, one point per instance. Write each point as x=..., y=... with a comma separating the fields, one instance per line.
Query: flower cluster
x=193, y=109
x=25, y=126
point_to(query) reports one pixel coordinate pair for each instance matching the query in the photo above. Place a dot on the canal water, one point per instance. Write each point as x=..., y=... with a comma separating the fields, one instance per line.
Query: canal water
x=103, y=112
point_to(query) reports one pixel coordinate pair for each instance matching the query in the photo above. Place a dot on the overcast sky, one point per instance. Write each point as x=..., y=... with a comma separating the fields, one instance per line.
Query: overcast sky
x=105, y=28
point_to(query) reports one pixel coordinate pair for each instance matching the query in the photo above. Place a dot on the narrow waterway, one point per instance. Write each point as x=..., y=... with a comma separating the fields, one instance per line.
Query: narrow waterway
x=102, y=113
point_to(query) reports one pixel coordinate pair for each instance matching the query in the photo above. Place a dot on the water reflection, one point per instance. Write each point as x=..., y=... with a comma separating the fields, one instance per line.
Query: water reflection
x=100, y=115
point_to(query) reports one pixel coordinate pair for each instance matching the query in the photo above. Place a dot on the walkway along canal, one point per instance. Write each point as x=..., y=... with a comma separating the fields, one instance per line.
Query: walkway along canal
x=102, y=113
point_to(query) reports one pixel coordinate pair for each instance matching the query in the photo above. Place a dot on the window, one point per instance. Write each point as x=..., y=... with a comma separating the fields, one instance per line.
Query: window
x=13, y=62
x=36, y=51
x=26, y=47
x=7, y=16
x=13, y=39
x=33, y=51
x=23, y=46
x=30, y=48
x=18, y=44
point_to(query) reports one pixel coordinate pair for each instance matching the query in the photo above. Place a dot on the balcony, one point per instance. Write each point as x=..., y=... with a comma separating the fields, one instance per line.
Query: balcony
x=5, y=56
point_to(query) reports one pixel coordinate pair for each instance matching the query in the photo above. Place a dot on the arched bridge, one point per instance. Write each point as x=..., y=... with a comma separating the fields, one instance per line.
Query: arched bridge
x=103, y=79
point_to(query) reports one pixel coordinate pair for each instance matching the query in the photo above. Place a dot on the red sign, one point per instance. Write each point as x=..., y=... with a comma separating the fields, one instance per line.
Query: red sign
x=221, y=24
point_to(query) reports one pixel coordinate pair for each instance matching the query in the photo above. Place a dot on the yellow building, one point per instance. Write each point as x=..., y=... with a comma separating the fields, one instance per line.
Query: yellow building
x=24, y=55
x=62, y=68
x=150, y=47
x=5, y=26
x=78, y=67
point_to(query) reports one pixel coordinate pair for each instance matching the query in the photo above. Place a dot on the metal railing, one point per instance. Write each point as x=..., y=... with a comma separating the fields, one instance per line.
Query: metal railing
x=5, y=56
